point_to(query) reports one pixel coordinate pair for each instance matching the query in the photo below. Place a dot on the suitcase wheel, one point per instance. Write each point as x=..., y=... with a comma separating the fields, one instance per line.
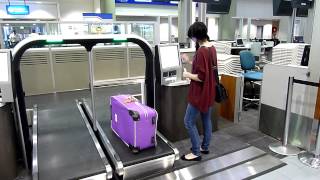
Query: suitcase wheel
x=134, y=150
x=153, y=141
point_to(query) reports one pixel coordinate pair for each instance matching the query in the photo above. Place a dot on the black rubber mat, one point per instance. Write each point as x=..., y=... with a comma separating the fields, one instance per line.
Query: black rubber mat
x=65, y=147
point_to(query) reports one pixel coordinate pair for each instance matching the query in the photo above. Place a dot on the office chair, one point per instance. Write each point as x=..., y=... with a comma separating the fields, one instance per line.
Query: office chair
x=248, y=65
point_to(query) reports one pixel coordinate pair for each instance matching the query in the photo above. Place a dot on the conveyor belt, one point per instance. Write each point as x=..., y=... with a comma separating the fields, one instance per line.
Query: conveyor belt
x=65, y=148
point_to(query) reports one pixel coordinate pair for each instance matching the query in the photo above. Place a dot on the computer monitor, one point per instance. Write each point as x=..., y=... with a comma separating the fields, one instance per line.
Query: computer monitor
x=169, y=57
x=239, y=42
x=305, y=56
x=298, y=39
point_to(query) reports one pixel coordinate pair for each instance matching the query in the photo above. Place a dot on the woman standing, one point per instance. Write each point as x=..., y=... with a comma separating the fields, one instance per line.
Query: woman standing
x=201, y=91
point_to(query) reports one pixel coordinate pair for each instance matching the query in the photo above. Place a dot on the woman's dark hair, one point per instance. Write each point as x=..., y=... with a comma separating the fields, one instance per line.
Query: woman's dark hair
x=199, y=31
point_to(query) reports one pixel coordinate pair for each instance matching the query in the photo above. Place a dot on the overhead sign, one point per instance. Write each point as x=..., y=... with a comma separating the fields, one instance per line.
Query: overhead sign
x=18, y=9
x=101, y=16
x=152, y=2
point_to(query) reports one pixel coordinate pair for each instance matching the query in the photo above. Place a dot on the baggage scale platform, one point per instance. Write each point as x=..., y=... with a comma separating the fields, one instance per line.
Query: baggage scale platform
x=126, y=164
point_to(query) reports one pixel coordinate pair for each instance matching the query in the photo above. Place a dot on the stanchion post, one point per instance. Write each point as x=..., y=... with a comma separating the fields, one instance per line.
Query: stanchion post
x=288, y=111
x=284, y=148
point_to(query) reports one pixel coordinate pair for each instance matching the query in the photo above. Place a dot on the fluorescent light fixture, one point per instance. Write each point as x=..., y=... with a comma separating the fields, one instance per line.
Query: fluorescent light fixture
x=54, y=41
x=174, y=2
x=119, y=39
x=142, y=0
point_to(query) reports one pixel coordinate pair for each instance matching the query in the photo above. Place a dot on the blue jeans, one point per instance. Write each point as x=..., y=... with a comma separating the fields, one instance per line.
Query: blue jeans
x=190, y=124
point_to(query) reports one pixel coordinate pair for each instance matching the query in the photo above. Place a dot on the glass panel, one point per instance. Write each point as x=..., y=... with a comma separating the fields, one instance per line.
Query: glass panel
x=53, y=29
x=15, y=32
x=146, y=31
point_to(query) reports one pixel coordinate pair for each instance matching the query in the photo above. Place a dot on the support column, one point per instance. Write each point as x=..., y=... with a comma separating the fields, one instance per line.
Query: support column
x=293, y=22
x=241, y=28
x=309, y=23
x=157, y=31
x=97, y=6
x=108, y=6
x=170, y=28
x=202, y=11
x=248, y=29
x=184, y=20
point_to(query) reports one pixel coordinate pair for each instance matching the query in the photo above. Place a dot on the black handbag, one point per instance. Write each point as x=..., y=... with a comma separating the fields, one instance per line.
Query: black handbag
x=221, y=92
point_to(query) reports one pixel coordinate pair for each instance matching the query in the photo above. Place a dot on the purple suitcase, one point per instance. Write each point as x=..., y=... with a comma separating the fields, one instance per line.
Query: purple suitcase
x=133, y=122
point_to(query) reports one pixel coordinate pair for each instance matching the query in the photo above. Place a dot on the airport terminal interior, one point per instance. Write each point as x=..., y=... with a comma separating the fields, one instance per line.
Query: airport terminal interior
x=96, y=89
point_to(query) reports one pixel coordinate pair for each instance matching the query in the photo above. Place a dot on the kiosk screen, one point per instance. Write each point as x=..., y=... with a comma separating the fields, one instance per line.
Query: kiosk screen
x=169, y=56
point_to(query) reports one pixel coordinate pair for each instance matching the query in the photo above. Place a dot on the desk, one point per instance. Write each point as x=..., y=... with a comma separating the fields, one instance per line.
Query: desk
x=267, y=49
x=236, y=49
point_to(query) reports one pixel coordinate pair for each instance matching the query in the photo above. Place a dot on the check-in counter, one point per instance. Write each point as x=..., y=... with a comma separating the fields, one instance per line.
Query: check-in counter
x=172, y=93
x=171, y=105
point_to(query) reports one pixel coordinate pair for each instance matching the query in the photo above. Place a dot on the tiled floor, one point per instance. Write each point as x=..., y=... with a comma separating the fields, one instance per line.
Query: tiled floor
x=294, y=170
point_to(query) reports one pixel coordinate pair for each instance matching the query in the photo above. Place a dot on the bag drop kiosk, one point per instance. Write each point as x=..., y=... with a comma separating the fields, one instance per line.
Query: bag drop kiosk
x=78, y=147
x=171, y=94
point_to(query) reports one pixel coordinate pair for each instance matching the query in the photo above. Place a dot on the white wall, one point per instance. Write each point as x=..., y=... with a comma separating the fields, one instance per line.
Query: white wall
x=145, y=10
x=71, y=10
x=284, y=29
x=213, y=28
x=267, y=29
x=255, y=9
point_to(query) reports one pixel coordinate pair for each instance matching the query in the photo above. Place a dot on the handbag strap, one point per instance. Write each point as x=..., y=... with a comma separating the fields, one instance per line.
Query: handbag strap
x=214, y=66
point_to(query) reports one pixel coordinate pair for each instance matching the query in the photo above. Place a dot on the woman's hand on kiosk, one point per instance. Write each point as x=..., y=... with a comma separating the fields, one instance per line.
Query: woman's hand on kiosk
x=185, y=58
x=190, y=76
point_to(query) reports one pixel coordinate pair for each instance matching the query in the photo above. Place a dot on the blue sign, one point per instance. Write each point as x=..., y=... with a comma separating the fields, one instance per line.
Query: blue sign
x=18, y=9
x=99, y=15
x=151, y=2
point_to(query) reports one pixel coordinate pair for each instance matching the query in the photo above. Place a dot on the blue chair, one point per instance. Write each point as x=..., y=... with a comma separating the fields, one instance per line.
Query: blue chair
x=248, y=65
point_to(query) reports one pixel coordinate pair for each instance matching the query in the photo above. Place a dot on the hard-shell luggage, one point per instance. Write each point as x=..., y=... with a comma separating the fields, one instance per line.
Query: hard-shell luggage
x=133, y=122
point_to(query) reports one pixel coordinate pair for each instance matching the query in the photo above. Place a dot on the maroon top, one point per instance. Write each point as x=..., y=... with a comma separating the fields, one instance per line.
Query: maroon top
x=202, y=94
